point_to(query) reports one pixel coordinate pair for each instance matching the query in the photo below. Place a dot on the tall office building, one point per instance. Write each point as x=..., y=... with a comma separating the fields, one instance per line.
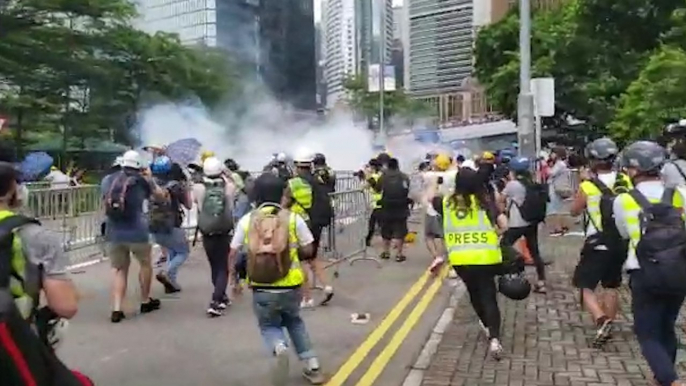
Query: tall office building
x=399, y=45
x=439, y=56
x=354, y=40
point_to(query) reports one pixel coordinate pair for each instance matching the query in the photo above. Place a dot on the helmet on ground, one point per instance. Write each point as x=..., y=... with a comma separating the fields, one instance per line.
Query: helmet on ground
x=602, y=149
x=442, y=162
x=206, y=154
x=644, y=156
x=161, y=165
x=212, y=167
x=303, y=156
x=319, y=159
x=131, y=159
x=520, y=164
x=514, y=286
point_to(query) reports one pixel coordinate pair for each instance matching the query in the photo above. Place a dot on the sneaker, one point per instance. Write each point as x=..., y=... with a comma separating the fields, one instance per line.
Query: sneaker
x=328, y=295
x=314, y=376
x=150, y=306
x=485, y=329
x=603, y=333
x=224, y=304
x=436, y=265
x=539, y=288
x=495, y=349
x=309, y=303
x=400, y=258
x=384, y=256
x=214, y=311
x=117, y=316
x=169, y=286
x=281, y=371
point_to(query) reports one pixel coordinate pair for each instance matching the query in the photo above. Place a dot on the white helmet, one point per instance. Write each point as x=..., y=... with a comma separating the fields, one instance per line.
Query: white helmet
x=212, y=167
x=303, y=156
x=131, y=159
x=117, y=161
x=281, y=157
x=469, y=164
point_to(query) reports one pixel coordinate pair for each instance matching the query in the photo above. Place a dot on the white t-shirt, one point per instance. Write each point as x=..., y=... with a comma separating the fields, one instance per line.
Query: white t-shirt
x=302, y=231
x=58, y=180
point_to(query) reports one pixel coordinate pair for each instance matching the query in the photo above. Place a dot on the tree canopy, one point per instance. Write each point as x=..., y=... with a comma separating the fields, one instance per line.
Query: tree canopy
x=78, y=68
x=607, y=57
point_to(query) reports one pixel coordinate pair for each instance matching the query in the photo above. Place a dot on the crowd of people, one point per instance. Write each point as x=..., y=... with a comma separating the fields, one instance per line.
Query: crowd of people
x=263, y=233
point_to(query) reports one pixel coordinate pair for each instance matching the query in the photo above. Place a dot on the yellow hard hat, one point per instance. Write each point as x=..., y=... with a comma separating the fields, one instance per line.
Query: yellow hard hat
x=206, y=154
x=487, y=155
x=442, y=162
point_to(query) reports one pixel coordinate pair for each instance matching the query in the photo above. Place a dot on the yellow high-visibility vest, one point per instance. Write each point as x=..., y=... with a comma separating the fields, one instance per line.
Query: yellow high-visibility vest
x=469, y=236
x=20, y=267
x=295, y=276
x=593, y=196
x=301, y=191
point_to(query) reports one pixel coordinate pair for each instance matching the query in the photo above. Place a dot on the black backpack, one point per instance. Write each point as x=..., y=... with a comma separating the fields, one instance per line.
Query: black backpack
x=535, y=204
x=608, y=234
x=321, y=212
x=116, y=207
x=661, y=251
x=395, y=190
x=25, y=358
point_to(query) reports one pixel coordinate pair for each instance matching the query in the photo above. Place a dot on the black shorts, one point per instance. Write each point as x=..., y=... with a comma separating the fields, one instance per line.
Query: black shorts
x=598, y=267
x=393, y=228
x=317, y=236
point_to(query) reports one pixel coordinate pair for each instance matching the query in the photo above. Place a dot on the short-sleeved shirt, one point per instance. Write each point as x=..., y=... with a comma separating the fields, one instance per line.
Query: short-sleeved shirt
x=136, y=230
x=301, y=229
x=43, y=247
x=515, y=193
x=673, y=173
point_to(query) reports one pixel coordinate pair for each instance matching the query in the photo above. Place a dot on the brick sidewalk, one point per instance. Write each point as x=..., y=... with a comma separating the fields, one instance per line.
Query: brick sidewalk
x=546, y=339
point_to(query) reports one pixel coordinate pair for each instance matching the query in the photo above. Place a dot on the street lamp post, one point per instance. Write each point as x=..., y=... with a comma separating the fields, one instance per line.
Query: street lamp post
x=525, y=101
x=382, y=57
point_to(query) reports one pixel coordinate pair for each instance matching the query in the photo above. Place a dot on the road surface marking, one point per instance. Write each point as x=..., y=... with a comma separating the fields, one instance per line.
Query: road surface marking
x=373, y=339
x=379, y=364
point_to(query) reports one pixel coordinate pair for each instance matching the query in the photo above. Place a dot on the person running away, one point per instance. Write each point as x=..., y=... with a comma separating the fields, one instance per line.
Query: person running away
x=439, y=184
x=277, y=288
x=126, y=229
x=471, y=223
x=165, y=217
x=604, y=251
x=651, y=218
x=308, y=199
x=215, y=199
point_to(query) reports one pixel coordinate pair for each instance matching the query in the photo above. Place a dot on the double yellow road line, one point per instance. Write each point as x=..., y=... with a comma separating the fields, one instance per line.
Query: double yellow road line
x=382, y=360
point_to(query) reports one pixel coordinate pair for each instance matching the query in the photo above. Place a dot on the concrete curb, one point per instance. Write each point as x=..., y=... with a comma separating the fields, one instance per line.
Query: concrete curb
x=416, y=374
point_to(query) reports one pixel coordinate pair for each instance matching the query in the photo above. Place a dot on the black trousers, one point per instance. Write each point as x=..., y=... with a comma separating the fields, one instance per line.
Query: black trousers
x=217, y=251
x=374, y=221
x=480, y=283
x=530, y=234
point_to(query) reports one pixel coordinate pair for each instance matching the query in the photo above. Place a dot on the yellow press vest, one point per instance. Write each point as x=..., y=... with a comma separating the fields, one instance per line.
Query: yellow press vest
x=302, y=195
x=295, y=276
x=593, y=196
x=469, y=236
x=633, y=222
x=376, y=196
x=20, y=267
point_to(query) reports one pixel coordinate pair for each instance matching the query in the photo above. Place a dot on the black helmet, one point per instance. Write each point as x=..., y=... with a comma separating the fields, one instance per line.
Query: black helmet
x=231, y=164
x=319, y=159
x=644, y=156
x=514, y=286
x=602, y=149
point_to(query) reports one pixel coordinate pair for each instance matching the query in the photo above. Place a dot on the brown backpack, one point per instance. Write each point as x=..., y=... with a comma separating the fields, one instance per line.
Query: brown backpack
x=269, y=257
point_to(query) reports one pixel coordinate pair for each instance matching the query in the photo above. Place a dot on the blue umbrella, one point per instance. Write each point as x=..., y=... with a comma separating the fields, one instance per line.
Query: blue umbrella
x=184, y=151
x=35, y=165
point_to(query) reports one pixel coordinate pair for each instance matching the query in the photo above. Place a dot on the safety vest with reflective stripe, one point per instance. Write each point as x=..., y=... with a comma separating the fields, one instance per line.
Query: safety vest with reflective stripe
x=20, y=267
x=593, y=196
x=301, y=191
x=469, y=236
x=376, y=195
x=633, y=222
x=295, y=276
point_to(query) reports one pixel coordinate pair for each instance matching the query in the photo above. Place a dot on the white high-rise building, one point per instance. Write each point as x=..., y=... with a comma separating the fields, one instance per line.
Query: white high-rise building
x=352, y=40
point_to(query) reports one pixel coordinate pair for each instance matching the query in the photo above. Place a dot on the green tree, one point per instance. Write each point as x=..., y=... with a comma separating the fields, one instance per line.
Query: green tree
x=656, y=97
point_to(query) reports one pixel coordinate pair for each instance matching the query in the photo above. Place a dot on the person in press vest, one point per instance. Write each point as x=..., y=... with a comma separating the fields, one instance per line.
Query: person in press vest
x=471, y=224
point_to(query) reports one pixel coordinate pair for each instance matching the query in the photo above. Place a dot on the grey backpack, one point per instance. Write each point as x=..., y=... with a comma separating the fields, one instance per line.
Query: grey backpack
x=216, y=215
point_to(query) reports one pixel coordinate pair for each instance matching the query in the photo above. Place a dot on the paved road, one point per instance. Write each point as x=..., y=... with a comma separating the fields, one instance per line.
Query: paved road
x=179, y=346
x=546, y=338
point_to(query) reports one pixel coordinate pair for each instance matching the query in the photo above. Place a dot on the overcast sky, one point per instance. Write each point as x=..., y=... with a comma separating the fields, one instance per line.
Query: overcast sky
x=318, y=7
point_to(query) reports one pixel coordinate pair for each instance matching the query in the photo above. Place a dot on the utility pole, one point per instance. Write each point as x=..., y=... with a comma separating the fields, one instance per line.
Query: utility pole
x=382, y=60
x=525, y=101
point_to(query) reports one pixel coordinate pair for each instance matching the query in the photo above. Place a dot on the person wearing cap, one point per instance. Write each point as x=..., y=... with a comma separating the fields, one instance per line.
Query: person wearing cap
x=601, y=258
x=654, y=314
x=439, y=183
x=129, y=236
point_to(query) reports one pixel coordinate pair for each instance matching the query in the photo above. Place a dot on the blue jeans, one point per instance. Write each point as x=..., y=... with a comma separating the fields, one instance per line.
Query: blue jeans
x=178, y=250
x=277, y=311
x=654, y=325
x=241, y=207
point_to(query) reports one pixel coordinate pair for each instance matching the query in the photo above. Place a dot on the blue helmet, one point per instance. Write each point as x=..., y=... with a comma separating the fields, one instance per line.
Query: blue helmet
x=161, y=165
x=507, y=154
x=520, y=164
